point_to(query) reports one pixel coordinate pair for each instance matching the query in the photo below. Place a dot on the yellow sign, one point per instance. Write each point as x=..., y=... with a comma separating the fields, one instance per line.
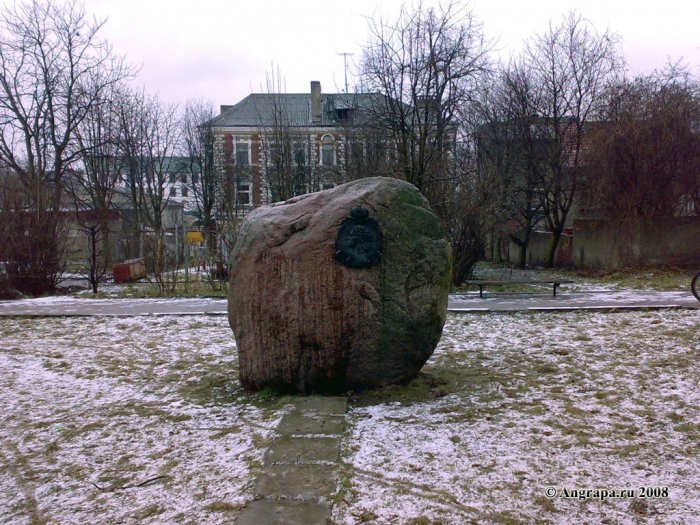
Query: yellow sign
x=195, y=236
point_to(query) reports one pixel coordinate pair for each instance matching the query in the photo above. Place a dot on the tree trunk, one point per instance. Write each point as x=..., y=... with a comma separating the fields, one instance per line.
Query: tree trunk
x=522, y=259
x=522, y=248
x=497, y=254
x=553, y=245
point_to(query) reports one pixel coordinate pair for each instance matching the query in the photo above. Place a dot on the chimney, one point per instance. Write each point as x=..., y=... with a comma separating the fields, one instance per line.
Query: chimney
x=315, y=101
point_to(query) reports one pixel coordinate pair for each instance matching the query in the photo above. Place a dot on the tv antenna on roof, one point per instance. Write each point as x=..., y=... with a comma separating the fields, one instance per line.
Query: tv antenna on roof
x=345, y=67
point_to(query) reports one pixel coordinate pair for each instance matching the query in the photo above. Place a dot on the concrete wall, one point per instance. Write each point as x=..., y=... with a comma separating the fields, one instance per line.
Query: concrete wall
x=537, y=250
x=604, y=244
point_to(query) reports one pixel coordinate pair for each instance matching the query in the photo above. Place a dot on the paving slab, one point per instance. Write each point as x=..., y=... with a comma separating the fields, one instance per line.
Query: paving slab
x=303, y=450
x=284, y=513
x=297, y=482
x=311, y=423
x=321, y=405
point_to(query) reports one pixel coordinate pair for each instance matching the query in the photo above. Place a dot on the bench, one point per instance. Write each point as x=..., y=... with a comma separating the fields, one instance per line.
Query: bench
x=554, y=282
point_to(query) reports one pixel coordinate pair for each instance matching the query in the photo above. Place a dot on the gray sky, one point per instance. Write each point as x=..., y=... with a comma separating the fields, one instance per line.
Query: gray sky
x=220, y=50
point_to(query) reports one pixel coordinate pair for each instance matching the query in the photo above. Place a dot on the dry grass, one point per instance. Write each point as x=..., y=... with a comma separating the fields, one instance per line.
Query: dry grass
x=523, y=401
x=91, y=405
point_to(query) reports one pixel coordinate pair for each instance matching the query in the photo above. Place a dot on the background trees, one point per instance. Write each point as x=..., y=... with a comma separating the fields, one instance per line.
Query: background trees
x=286, y=152
x=53, y=70
x=150, y=135
x=496, y=150
x=646, y=153
x=427, y=64
x=512, y=154
x=150, y=138
x=198, y=149
x=537, y=124
x=571, y=65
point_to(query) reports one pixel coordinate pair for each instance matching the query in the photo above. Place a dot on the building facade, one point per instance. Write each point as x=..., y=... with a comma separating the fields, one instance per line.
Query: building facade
x=271, y=147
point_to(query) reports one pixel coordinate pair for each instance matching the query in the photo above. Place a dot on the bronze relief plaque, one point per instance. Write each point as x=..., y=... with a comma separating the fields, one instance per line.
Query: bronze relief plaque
x=359, y=240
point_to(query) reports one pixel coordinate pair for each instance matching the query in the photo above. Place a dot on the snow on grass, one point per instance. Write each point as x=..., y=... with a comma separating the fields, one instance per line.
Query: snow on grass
x=104, y=403
x=509, y=404
x=578, y=400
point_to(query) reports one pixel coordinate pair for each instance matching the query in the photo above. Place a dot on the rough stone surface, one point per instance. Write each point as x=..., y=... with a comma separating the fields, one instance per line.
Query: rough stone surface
x=301, y=482
x=304, y=321
x=284, y=513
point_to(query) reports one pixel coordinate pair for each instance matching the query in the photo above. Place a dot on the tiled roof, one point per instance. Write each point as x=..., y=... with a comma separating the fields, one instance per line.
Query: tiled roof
x=259, y=109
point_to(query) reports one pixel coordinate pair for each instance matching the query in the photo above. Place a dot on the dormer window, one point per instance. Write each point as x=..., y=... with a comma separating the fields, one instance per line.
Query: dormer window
x=343, y=109
x=343, y=114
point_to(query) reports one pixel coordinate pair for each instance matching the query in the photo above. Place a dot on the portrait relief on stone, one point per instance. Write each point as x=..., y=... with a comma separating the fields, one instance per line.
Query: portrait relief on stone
x=359, y=240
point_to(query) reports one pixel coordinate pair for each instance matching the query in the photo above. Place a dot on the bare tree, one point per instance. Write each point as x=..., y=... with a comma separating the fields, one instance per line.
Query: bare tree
x=426, y=63
x=53, y=70
x=513, y=146
x=286, y=147
x=34, y=234
x=93, y=188
x=571, y=66
x=365, y=146
x=150, y=138
x=198, y=144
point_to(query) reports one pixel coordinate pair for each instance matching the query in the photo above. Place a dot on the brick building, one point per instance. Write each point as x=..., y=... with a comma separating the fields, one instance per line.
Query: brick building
x=270, y=146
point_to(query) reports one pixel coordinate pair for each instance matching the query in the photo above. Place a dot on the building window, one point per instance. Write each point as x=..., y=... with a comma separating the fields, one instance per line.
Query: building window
x=241, y=153
x=172, y=178
x=275, y=155
x=184, y=190
x=183, y=179
x=327, y=150
x=299, y=154
x=173, y=191
x=243, y=194
x=327, y=154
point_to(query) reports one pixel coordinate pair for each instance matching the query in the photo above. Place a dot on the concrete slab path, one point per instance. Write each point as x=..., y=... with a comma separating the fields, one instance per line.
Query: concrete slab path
x=299, y=474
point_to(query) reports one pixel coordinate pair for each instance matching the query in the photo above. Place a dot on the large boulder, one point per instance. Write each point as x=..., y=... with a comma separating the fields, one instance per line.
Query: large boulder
x=315, y=311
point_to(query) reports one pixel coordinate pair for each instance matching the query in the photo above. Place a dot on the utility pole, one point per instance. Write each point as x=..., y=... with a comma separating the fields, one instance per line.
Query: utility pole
x=345, y=67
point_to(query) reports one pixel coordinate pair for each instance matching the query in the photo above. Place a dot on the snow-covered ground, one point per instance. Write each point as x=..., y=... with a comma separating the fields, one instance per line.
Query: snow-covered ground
x=90, y=405
x=522, y=401
x=535, y=400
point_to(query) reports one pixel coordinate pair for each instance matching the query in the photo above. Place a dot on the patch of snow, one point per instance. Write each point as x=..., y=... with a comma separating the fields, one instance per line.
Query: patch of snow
x=102, y=402
x=577, y=400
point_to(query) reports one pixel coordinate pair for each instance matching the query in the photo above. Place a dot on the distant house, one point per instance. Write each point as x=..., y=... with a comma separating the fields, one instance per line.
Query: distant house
x=269, y=147
x=125, y=230
x=179, y=181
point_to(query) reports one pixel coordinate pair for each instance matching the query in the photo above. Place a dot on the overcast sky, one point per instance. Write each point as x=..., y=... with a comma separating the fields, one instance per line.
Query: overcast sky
x=220, y=50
